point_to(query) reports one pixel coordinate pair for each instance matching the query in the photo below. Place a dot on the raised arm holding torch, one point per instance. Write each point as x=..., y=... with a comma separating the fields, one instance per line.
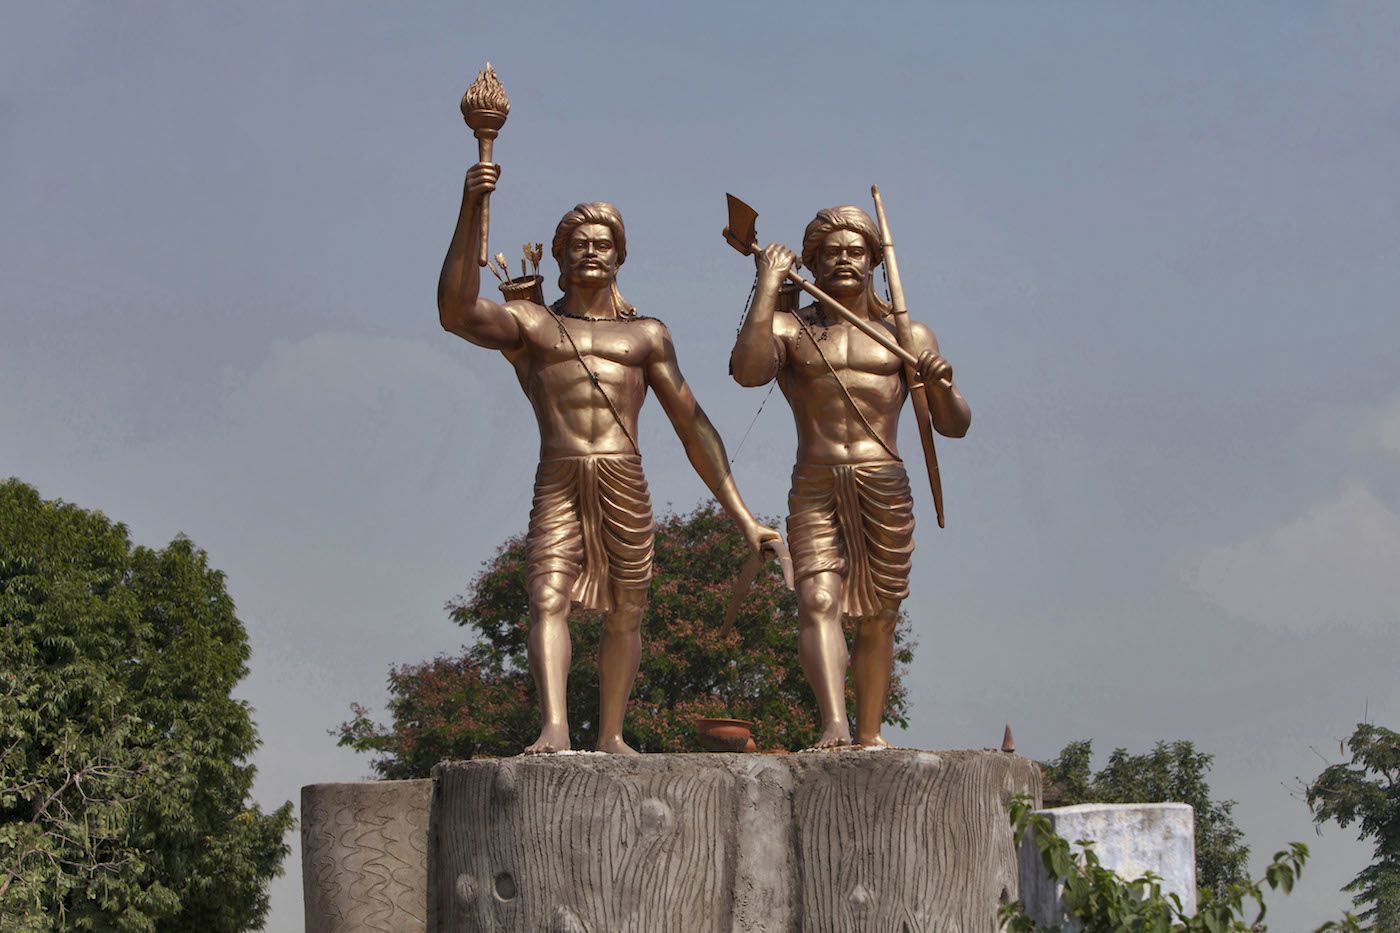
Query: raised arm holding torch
x=485, y=107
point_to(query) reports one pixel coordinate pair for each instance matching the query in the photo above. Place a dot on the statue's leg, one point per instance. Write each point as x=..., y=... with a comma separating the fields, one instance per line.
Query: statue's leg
x=871, y=667
x=619, y=656
x=550, y=652
x=821, y=649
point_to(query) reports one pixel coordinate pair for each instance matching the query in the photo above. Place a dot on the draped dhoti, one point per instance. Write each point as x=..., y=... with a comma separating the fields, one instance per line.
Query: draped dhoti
x=591, y=520
x=855, y=520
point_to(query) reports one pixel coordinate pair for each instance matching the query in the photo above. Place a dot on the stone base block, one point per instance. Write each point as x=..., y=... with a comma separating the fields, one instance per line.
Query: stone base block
x=833, y=841
x=586, y=843
x=1131, y=839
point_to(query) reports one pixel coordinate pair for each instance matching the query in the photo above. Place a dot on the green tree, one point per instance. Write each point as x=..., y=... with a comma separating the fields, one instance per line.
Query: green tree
x=1171, y=772
x=124, y=783
x=482, y=702
x=1366, y=791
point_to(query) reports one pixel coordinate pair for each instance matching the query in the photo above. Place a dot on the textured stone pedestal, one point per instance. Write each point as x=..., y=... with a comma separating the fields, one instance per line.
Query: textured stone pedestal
x=851, y=840
x=584, y=843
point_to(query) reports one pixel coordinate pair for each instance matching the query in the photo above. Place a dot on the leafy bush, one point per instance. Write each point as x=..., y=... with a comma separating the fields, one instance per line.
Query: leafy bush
x=1098, y=901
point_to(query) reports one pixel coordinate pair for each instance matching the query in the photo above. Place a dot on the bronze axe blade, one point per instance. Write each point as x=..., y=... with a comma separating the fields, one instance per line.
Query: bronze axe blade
x=776, y=549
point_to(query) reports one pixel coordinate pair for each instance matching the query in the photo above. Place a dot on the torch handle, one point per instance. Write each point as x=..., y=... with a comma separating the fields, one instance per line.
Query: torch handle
x=483, y=148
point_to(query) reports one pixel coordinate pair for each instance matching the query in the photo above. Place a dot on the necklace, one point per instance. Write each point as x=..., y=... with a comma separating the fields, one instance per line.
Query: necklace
x=587, y=317
x=558, y=308
x=819, y=318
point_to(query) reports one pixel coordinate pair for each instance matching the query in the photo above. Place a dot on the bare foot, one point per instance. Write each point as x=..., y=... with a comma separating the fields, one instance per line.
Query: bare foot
x=875, y=741
x=615, y=746
x=834, y=736
x=553, y=738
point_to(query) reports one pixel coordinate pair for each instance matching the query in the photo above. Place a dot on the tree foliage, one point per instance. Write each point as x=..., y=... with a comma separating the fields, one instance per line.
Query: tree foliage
x=1097, y=900
x=482, y=703
x=1366, y=791
x=1172, y=772
x=124, y=787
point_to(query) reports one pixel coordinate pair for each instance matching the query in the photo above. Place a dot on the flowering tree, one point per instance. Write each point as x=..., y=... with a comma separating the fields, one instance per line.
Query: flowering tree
x=481, y=702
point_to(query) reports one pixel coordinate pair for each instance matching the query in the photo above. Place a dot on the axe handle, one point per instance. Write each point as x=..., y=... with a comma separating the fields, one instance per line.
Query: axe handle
x=874, y=332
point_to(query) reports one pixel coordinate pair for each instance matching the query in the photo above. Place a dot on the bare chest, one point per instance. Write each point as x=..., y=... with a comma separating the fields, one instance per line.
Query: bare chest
x=621, y=343
x=845, y=349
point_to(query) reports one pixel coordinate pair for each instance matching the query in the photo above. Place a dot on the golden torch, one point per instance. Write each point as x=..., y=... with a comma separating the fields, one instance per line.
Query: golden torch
x=485, y=107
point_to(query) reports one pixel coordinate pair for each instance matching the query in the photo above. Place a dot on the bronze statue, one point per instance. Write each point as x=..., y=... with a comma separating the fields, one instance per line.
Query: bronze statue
x=845, y=365
x=586, y=364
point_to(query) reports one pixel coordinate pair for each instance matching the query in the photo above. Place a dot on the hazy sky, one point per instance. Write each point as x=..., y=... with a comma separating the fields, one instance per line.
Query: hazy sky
x=1159, y=244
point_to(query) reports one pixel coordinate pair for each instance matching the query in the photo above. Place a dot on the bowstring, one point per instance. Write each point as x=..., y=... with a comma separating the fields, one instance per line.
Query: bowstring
x=748, y=305
x=869, y=428
x=593, y=377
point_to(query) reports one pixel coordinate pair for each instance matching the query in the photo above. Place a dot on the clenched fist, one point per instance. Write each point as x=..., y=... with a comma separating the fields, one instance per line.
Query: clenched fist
x=481, y=179
x=773, y=261
x=933, y=368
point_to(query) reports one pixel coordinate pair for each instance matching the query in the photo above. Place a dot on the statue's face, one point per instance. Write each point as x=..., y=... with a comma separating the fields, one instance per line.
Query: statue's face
x=843, y=265
x=591, y=256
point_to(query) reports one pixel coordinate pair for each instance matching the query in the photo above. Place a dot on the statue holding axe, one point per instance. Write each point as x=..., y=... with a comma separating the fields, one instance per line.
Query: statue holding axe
x=845, y=365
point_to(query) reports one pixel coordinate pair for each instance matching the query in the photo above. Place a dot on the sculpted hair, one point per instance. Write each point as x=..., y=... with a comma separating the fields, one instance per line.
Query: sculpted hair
x=592, y=212
x=845, y=217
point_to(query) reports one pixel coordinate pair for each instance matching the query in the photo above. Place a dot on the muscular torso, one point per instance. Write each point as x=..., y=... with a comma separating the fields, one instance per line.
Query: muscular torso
x=573, y=417
x=828, y=431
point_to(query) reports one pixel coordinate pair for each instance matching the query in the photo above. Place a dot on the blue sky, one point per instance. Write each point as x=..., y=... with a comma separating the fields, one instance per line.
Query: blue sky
x=1159, y=244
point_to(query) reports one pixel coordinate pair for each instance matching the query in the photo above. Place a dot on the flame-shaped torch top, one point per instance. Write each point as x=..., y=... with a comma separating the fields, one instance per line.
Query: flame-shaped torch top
x=485, y=104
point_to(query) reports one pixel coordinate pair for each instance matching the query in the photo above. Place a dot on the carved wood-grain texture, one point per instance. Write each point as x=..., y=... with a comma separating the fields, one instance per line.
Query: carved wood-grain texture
x=915, y=841
x=894, y=840
x=584, y=843
x=365, y=857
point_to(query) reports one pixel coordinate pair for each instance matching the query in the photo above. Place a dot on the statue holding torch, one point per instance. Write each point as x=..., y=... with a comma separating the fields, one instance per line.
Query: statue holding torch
x=586, y=364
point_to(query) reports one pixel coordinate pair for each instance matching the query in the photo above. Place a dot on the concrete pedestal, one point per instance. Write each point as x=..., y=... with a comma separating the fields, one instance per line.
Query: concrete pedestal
x=831, y=841
x=1131, y=839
